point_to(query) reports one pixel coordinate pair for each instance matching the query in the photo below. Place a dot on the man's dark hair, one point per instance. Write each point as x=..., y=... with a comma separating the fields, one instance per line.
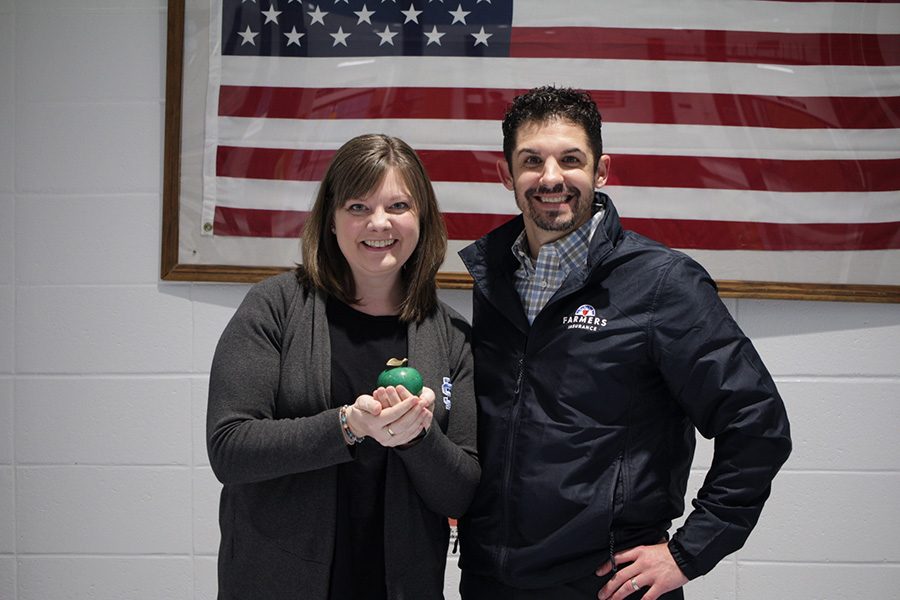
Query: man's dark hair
x=546, y=103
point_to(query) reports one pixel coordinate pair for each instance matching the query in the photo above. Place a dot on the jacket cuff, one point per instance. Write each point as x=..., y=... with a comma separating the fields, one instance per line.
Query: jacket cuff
x=682, y=560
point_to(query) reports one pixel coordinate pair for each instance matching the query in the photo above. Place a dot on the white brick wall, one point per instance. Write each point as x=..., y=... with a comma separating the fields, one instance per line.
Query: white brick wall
x=105, y=487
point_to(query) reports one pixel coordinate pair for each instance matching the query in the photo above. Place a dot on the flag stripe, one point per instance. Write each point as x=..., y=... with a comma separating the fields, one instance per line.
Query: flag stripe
x=620, y=138
x=678, y=233
x=724, y=235
x=643, y=202
x=718, y=172
x=682, y=108
x=739, y=15
x=848, y=49
x=516, y=73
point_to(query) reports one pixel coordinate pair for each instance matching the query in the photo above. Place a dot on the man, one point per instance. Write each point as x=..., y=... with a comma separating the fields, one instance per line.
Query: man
x=598, y=352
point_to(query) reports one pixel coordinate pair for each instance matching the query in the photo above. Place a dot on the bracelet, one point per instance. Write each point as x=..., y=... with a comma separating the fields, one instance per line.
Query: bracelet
x=351, y=437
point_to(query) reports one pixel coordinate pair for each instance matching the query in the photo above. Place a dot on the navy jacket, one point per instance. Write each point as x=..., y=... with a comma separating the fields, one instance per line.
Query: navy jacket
x=586, y=418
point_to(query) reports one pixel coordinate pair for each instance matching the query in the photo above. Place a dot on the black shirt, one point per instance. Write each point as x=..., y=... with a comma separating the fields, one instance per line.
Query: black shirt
x=361, y=344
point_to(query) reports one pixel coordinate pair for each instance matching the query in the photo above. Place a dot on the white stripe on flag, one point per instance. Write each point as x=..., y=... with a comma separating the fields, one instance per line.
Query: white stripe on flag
x=521, y=73
x=645, y=202
x=621, y=138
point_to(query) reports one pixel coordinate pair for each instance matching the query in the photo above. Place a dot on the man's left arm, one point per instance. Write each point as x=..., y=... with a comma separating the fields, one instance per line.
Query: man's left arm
x=717, y=377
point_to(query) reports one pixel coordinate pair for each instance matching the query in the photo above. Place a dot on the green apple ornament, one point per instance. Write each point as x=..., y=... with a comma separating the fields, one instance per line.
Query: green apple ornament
x=398, y=373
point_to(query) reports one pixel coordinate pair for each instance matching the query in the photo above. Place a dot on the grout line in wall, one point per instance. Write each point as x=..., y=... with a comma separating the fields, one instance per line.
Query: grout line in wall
x=88, y=194
x=110, y=285
x=104, y=466
x=15, y=478
x=737, y=578
x=136, y=376
x=878, y=563
x=857, y=471
x=836, y=378
x=15, y=299
x=105, y=555
x=848, y=471
x=193, y=469
x=63, y=8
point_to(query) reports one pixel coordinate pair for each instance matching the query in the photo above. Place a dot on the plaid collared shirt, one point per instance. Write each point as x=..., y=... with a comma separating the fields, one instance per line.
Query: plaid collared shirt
x=537, y=281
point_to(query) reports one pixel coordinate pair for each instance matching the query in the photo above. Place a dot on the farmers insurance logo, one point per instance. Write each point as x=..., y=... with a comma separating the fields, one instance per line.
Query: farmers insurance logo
x=585, y=317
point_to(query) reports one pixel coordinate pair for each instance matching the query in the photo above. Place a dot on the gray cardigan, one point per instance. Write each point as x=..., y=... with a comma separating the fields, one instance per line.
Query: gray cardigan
x=275, y=443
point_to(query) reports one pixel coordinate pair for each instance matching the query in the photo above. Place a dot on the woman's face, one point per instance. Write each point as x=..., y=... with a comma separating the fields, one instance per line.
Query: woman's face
x=378, y=233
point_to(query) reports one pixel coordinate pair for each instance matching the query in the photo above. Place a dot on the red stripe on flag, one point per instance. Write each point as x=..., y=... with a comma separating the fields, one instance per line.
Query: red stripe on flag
x=255, y=222
x=852, y=49
x=713, y=172
x=676, y=108
x=717, y=172
x=678, y=233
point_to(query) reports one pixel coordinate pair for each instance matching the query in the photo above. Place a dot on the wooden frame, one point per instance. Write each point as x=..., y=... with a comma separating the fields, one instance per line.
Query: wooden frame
x=173, y=270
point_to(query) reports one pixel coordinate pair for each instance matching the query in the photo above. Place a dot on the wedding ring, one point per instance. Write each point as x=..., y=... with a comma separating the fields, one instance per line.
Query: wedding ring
x=634, y=586
x=391, y=433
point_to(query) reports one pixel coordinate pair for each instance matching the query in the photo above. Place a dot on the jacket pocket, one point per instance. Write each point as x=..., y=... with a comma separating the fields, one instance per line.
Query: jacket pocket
x=564, y=481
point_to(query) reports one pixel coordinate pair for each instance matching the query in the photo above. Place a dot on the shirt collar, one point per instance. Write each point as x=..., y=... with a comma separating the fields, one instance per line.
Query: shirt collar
x=572, y=249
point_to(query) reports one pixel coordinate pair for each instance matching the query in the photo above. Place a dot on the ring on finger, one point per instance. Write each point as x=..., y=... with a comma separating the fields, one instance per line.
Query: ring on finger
x=391, y=432
x=634, y=585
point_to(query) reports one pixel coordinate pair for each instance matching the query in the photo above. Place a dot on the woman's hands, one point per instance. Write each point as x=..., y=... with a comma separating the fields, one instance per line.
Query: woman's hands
x=392, y=416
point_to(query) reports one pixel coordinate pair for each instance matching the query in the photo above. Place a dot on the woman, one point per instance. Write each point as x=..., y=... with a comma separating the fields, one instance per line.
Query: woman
x=334, y=488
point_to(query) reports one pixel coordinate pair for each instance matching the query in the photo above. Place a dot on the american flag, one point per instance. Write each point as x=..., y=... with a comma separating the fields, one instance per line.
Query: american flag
x=759, y=136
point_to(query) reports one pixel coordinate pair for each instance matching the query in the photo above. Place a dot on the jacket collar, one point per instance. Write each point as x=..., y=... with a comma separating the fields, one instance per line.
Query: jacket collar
x=491, y=253
x=492, y=265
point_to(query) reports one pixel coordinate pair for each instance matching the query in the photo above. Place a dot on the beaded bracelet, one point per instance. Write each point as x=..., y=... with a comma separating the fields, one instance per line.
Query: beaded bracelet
x=351, y=437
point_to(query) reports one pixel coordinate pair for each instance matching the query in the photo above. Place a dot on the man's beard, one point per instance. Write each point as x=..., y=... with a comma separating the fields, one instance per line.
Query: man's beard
x=580, y=208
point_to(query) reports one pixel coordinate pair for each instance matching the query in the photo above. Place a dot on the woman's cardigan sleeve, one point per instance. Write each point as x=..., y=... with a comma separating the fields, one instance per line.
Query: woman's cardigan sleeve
x=443, y=466
x=245, y=440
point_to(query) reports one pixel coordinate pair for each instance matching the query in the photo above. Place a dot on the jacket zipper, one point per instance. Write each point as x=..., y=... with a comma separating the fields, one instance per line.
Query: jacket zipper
x=612, y=511
x=612, y=551
x=507, y=468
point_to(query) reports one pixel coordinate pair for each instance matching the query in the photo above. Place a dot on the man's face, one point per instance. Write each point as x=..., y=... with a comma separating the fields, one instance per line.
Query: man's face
x=553, y=178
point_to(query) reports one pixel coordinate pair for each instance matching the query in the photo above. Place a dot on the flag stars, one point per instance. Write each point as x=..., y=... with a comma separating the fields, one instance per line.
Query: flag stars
x=271, y=14
x=294, y=36
x=434, y=37
x=411, y=14
x=317, y=15
x=459, y=15
x=481, y=37
x=339, y=37
x=364, y=15
x=248, y=36
x=387, y=36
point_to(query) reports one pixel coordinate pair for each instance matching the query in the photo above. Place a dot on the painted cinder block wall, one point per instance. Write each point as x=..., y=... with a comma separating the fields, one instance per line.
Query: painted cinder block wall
x=105, y=489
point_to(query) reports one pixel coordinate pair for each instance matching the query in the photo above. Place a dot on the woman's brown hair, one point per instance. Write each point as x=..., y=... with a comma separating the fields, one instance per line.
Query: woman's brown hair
x=356, y=170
